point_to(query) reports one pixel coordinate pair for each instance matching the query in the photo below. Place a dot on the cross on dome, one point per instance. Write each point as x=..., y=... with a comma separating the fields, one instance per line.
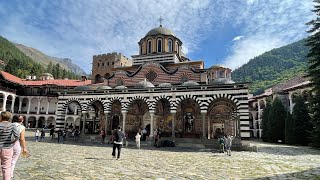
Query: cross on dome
x=160, y=20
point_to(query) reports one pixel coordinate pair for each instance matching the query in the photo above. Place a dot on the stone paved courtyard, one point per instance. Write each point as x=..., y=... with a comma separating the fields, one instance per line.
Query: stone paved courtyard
x=50, y=160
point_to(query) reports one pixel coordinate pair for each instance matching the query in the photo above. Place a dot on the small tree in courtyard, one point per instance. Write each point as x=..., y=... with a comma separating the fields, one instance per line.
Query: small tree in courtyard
x=290, y=137
x=265, y=122
x=313, y=42
x=302, y=120
x=277, y=116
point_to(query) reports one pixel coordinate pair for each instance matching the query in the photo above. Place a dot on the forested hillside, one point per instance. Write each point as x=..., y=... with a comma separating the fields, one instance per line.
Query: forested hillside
x=273, y=66
x=18, y=64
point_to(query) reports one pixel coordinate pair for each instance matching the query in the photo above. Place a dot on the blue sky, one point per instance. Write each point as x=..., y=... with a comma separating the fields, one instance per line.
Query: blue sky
x=225, y=32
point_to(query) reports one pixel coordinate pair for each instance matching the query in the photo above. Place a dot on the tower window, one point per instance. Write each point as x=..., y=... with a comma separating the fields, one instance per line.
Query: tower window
x=159, y=44
x=149, y=47
x=108, y=63
x=98, y=64
x=170, y=45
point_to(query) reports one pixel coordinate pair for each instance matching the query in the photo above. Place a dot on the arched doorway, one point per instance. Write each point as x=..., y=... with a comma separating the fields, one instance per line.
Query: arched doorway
x=115, y=117
x=32, y=121
x=163, y=117
x=115, y=122
x=24, y=105
x=222, y=117
x=98, y=78
x=97, y=120
x=51, y=122
x=72, y=109
x=188, y=122
x=41, y=122
x=138, y=116
x=16, y=105
x=9, y=103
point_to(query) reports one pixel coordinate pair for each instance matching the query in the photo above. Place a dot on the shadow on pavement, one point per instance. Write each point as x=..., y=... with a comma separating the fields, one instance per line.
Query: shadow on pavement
x=313, y=173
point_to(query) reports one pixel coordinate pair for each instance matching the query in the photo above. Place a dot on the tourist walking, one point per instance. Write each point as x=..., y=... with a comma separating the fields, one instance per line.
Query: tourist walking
x=18, y=145
x=8, y=135
x=138, y=137
x=228, y=143
x=117, y=143
x=103, y=135
x=36, y=135
x=51, y=133
x=43, y=134
x=221, y=144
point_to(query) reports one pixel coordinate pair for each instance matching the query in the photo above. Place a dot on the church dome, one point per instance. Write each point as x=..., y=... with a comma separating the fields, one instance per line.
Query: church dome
x=104, y=88
x=222, y=81
x=165, y=85
x=190, y=83
x=120, y=87
x=160, y=30
x=85, y=88
x=144, y=84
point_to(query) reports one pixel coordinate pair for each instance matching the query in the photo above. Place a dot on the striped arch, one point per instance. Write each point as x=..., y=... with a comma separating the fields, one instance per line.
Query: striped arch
x=158, y=98
x=112, y=100
x=226, y=96
x=91, y=101
x=188, y=96
x=82, y=106
x=138, y=97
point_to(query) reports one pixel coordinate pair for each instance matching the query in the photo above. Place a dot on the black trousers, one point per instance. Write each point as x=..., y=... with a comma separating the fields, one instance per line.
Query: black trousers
x=116, y=146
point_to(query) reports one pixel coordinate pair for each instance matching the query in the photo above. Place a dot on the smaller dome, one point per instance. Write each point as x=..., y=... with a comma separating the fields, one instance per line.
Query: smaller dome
x=46, y=74
x=85, y=88
x=104, y=88
x=120, y=87
x=144, y=84
x=190, y=83
x=160, y=30
x=222, y=81
x=165, y=85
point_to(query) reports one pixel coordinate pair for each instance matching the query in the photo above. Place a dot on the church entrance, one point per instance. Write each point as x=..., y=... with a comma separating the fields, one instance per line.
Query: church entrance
x=138, y=117
x=222, y=118
x=115, y=122
x=188, y=119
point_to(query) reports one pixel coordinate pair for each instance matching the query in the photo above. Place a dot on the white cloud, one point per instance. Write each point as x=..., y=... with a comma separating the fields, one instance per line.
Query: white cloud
x=82, y=29
x=237, y=38
x=267, y=25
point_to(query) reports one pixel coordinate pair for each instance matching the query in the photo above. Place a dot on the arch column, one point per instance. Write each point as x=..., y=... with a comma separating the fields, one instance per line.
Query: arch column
x=5, y=96
x=290, y=102
x=151, y=122
x=203, y=115
x=124, y=116
x=48, y=105
x=38, y=107
x=106, y=113
x=84, y=116
x=12, y=103
x=29, y=104
x=20, y=104
x=173, y=131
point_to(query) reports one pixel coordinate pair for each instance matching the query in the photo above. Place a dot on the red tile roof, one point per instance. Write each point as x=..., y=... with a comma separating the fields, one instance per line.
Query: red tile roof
x=57, y=82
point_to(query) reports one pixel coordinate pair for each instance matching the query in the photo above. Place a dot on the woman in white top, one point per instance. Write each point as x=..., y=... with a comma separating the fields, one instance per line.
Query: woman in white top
x=138, y=136
x=17, y=121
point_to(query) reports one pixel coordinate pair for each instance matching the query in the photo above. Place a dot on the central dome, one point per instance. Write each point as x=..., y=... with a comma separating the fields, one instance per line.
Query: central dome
x=160, y=30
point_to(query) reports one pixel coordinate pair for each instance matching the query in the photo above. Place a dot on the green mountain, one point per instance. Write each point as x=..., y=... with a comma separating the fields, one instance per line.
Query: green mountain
x=273, y=67
x=14, y=61
x=44, y=59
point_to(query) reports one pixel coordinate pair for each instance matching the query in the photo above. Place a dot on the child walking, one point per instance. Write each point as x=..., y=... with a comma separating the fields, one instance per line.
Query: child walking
x=138, y=136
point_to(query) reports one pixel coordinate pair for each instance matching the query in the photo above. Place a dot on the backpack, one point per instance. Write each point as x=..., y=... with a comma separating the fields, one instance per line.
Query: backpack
x=118, y=136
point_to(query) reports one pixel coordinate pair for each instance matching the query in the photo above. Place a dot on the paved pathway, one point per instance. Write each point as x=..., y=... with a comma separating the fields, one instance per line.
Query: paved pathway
x=50, y=160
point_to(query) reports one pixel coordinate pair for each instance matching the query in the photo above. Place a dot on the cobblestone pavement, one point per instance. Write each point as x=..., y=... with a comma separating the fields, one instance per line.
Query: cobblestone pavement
x=69, y=161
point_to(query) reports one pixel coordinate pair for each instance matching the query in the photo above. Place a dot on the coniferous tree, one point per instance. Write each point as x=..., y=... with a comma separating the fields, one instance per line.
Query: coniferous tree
x=57, y=71
x=50, y=67
x=313, y=42
x=64, y=74
x=277, y=116
x=265, y=122
x=290, y=130
x=302, y=119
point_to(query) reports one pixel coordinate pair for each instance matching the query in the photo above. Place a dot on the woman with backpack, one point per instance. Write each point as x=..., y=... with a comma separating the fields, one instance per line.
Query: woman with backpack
x=8, y=135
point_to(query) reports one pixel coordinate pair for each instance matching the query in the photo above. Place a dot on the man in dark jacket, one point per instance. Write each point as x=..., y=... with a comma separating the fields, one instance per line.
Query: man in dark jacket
x=117, y=143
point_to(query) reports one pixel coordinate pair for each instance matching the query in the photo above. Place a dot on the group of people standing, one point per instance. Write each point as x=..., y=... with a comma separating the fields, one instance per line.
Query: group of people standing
x=12, y=142
x=225, y=143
